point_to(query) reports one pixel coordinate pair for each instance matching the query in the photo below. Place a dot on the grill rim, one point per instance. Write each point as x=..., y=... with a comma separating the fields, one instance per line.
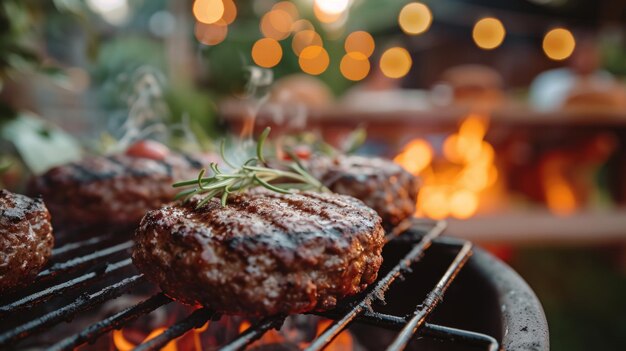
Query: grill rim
x=518, y=303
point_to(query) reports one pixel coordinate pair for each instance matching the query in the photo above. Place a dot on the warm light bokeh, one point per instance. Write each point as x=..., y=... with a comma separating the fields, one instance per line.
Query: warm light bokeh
x=230, y=11
x=314, y=60
x=559, y=44
x=395, y=62
x=276, y=24
x=488, y=33
x=208, y=11
x=267, y=52
x=415, y=18
x=211, y=34
x=332, y=6
x=289, y=7
x=329, y=11
x=301, y=25
x=415, y=156
x=463, y=204
x=305, y=38
x=452, y=185
x=354, y=66
x=360, y=41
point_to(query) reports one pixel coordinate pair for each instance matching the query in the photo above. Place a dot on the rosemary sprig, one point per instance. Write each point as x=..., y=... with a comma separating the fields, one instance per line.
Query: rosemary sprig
x=254, y=172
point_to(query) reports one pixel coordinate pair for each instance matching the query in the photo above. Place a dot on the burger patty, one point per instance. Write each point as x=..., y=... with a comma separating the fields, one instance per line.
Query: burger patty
x=25, y=238
x=381, y=184
x=117, y=189
x=264, y=253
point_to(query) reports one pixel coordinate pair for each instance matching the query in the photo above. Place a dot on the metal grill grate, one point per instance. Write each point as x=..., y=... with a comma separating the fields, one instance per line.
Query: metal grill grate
x=113, y=263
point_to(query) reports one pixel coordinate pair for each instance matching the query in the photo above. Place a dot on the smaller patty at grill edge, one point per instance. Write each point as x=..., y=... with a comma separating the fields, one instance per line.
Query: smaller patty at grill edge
x=111, y=190
x=264, y=253
x=25, y=239
x=381, y=184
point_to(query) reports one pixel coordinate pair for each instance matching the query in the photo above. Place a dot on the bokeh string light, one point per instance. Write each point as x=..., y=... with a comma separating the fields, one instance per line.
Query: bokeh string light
x=283, y=20
x=211, y=34
x=314, y=60
x=289, y=7
x=361, y=42
x=230, y=11
x=559, y=44
x=276, y=24
x=395, y=62
x=329, y=11
x=305, y=38
x=354, y=66
x=415, y=18
x=488, y=33
x=267, y=52
x=208, y=11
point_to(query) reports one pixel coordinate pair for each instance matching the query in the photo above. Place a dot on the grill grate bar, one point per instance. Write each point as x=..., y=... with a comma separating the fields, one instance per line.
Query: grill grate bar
x=379, y=290
x=79, y=245
x=115, y=321
x=83, y=260
x=82, y=303
x=432, y=300
x=253, y=333
x=391, y=322
x=46, y=294
x=194, y=320
x=454, y=334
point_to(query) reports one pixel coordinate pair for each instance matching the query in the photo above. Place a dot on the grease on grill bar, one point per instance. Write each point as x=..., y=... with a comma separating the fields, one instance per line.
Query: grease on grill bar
x=359, y=311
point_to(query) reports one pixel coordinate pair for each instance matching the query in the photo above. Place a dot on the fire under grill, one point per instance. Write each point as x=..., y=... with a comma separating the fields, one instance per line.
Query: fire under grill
x=85, y=275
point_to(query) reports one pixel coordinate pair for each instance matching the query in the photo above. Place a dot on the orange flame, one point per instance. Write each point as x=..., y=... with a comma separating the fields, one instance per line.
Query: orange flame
x=270, y=337
x=416, y=156
x=124, y=345
x=452, y=185
x=343, y=341
x=559, y=194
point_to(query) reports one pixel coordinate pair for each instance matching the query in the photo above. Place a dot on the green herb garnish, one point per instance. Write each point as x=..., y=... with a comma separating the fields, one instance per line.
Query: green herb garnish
x=254, y=172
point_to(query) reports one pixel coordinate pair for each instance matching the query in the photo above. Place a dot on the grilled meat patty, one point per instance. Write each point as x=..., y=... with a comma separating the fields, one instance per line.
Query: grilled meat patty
x=264, y=253
x=381, y=184
x=25, y=238
x=117, y=189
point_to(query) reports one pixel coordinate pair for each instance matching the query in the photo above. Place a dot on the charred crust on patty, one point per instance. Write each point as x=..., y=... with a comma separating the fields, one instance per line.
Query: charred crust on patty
x=264, y=253
x=381, y=184
x=26, y=239
x=114, y=189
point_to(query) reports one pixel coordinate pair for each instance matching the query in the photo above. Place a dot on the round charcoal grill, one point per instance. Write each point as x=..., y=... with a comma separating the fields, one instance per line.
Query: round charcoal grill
x=487, y=305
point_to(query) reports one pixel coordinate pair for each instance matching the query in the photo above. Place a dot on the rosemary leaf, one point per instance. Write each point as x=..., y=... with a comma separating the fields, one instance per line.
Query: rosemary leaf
x=261, y=142
x=270, y=186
